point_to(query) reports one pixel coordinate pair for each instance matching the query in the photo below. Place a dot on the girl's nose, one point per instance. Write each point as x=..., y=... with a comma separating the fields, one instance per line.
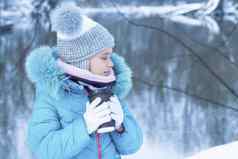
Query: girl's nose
x=110, y=63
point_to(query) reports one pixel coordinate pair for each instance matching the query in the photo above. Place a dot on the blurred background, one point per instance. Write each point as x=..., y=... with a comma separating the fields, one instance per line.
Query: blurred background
x=183, y=54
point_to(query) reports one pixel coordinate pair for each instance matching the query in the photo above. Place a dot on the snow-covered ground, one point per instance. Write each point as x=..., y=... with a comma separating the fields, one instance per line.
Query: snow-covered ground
x=227, y=151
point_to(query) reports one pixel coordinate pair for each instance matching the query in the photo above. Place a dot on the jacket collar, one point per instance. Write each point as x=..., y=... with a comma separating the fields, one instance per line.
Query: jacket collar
x=42, y=69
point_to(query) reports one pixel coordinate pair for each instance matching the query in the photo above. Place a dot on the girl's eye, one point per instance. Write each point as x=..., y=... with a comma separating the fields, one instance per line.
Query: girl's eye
x=104, y=58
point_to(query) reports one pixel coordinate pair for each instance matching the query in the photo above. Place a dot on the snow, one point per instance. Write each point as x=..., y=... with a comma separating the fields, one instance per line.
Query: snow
x=209, y=7
x=20, y=13
x=231, y=11
x=21, y=132
x=149, y=150
x=227, y=151
x=144, y=11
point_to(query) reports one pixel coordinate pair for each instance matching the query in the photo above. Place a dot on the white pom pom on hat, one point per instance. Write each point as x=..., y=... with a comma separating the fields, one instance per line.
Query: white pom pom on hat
x=69, y=23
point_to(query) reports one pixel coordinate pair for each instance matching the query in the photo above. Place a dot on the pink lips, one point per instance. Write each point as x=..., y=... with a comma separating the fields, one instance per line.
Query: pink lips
x=106, y=73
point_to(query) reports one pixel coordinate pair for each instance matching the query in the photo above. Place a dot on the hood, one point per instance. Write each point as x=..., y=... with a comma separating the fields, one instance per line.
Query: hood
x=42, y=70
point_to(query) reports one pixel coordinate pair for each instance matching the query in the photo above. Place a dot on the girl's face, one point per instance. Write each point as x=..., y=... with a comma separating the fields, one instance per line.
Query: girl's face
x=101, y=63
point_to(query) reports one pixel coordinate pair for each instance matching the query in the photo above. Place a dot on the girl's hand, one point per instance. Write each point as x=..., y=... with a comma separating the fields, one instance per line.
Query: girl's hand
x=116, y=111
x=96, y=115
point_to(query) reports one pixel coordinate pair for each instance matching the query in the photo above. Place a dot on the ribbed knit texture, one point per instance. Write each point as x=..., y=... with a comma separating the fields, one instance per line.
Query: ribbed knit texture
x=78, y=51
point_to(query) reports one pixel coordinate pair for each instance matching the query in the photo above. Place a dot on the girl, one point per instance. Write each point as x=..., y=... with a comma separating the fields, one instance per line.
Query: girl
x=79, y=109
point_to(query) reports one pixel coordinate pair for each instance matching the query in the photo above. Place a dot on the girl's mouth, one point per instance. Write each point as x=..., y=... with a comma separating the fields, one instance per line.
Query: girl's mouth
x=107, y=73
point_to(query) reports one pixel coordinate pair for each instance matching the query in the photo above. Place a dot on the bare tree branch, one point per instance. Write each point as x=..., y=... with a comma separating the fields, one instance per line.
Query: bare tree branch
x=204, y=64
x=217, y=50
x=153, y=84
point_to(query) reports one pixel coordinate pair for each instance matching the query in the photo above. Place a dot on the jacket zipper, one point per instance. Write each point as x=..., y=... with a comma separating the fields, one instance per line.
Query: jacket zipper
x=99, y=147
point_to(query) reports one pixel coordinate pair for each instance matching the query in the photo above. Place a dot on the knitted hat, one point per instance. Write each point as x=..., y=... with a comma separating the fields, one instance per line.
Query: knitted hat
x=78, y=37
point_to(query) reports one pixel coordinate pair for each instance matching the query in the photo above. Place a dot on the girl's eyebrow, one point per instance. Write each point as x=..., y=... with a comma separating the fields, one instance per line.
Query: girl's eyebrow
x=106, y=53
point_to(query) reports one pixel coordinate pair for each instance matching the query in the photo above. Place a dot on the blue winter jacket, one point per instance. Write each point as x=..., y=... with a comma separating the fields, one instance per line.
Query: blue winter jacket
x=57, y=130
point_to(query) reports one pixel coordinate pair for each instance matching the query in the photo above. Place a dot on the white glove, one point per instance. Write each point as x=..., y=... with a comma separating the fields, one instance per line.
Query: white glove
x=116, y=111
x=96, y=115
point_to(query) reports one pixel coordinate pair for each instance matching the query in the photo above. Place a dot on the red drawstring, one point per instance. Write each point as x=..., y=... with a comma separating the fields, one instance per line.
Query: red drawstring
x=99, y=146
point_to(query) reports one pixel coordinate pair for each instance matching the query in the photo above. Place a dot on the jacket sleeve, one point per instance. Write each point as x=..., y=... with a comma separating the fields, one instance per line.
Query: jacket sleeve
x=47, y=139
x=131, y=139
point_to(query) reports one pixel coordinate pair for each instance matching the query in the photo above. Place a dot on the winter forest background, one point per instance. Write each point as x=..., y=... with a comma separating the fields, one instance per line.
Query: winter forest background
x=183, y=54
